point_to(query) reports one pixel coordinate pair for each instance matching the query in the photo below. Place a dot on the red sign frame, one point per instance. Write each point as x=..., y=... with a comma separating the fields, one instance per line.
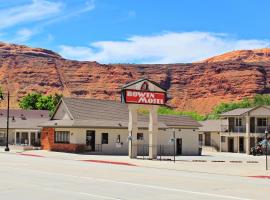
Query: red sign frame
x=144, y=97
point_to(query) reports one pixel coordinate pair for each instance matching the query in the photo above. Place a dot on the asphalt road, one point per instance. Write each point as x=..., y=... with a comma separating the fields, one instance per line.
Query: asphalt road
x=27, y=178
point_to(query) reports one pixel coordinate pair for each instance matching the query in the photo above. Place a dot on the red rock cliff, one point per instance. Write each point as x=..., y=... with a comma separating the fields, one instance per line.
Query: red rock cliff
x=197, y=87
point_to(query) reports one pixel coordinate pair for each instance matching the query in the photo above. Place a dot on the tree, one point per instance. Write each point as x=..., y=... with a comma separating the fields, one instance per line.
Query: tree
x=36, y=101
x=257, y=100
x=1, y=93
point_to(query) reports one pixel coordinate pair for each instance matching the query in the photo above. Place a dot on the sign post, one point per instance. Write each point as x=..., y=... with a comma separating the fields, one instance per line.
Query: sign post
x=148, y=94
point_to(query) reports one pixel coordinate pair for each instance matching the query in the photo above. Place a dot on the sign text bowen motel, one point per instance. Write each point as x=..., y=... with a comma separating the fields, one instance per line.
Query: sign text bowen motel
x=140, y=97
x=144, y=96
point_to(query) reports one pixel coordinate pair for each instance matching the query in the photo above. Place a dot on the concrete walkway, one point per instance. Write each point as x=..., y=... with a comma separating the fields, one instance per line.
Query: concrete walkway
x=232, y=164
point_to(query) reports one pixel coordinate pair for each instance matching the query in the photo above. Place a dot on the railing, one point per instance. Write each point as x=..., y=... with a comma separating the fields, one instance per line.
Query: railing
x=233, y=129
x=98, y=148
x=242, y=129
x=261, y=129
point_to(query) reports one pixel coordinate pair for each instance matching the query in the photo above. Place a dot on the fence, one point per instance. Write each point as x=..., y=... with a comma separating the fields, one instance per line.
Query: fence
x=164, y=152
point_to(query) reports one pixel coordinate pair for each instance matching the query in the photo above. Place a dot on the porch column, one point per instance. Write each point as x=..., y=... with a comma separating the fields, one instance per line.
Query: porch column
x=29, y=138
x=220, y=143
x=153, y=132
x=36, y=137
x=247, y=134
x=133, y=130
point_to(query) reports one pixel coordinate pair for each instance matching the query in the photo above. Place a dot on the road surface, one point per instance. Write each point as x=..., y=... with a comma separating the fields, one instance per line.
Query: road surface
x=27, y=178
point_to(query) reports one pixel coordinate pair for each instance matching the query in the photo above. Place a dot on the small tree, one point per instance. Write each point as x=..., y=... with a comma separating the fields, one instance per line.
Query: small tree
x=35, y=101
x=29, y=102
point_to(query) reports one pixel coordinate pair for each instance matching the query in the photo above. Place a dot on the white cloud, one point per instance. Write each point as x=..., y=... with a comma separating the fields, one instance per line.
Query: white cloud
x=22, y=35
x=169, y=47
x=34, y=17
x=35, y=11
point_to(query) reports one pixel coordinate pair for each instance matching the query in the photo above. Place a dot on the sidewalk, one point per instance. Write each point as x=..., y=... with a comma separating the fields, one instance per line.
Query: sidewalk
x=183, y=163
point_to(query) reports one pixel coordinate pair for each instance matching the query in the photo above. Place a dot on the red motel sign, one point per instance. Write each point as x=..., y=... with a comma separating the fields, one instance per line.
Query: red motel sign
x=144, y=97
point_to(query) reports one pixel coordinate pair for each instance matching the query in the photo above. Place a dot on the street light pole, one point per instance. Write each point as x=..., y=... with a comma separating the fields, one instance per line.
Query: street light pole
x=7, y=148
x=266, y=150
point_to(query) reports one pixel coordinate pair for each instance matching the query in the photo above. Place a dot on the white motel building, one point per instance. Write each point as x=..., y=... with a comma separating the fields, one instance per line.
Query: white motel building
x=116, y=128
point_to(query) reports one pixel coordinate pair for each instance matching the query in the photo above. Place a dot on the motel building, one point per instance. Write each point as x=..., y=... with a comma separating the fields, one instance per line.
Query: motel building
x=237, y=130
x=116, y=128
x=24, y=127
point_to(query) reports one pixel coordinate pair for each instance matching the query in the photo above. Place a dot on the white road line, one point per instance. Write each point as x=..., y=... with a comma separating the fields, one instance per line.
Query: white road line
x=143, y=185
x=98, y=196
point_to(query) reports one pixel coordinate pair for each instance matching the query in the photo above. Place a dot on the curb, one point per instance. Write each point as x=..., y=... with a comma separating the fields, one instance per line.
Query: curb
x=110, y=162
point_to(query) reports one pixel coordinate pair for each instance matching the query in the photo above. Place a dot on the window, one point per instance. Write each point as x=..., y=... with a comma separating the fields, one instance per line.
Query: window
x=104, y=138
x=139, y=136
x=261, y=122
x=200, y=137
x=118, y=140
x=62, y=137
x=223, y=139
x=238, y=122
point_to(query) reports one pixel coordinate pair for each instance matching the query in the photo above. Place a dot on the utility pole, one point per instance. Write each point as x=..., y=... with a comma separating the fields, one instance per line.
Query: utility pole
x=7, y=148
x=174, y=140
x=7, y=129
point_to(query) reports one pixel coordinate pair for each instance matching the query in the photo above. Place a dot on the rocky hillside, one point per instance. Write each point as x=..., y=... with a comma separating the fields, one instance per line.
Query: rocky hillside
x=248, y=56
x=196, y=87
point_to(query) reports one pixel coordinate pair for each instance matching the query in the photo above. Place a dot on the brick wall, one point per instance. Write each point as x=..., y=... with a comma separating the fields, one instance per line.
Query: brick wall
x=47, y=143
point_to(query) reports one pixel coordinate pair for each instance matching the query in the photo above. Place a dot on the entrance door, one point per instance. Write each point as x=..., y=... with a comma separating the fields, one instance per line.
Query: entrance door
x=18, y=141
x=179, y=146
x=207, y=139
x=90, y=140
x=230, y=145
x=241, y=144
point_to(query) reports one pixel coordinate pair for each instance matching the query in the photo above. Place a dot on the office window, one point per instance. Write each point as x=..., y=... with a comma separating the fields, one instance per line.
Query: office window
x=118, y=140
x=139, y=136
x=2, y=134
x=104, y=138
x=238, y=122
x=261, y=122
x=62, y=137
x=223, y=139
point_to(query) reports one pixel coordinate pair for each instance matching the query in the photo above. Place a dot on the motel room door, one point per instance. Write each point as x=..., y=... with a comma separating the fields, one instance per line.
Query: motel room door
x=241, y=144
x=90, y=140
x=230, y=144
x=179, y=146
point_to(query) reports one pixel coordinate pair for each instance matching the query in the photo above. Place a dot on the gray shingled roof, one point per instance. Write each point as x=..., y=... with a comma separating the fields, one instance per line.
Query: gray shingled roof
x=110, y=113
x=237, y=112
x=25, y=113
x=20, y=123
x=212, y=125
x=23, y=119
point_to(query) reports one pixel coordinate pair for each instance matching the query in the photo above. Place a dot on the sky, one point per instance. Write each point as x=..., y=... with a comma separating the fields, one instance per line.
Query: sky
x=137, y=31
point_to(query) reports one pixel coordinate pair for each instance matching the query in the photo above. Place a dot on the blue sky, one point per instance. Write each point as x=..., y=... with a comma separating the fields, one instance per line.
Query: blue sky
x=137, y=31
